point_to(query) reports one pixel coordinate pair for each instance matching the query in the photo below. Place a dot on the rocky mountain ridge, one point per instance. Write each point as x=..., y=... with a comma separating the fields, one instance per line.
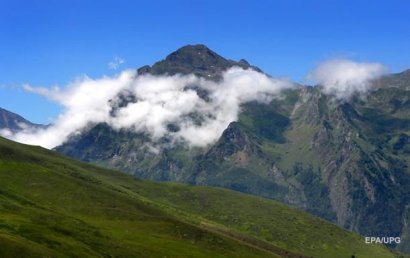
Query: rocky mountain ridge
x=14, y=122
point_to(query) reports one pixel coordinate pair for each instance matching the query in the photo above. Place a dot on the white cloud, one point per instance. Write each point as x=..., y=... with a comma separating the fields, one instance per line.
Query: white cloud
x=116, y=62
x=6, y=133
x=52, y=94
x=159, y=102
x=343, y=78
x=85, y=101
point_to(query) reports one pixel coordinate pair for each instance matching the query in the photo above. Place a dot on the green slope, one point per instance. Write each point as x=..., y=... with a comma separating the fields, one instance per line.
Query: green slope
x=52, y=206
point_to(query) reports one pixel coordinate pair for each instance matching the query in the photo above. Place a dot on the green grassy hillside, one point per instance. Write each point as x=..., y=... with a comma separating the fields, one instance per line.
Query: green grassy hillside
x=52, y=206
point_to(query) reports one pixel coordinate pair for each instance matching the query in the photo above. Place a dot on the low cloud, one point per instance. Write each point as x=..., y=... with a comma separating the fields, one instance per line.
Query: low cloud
x=343, y=78
x=6, y=133
x=116, y=62
x=197, y=110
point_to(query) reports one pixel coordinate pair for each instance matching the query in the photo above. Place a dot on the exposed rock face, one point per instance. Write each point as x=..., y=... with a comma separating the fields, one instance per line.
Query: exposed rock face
x=194, y=59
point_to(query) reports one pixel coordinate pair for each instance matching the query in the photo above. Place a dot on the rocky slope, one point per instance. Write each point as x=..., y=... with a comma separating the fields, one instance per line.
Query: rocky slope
x=194, y=59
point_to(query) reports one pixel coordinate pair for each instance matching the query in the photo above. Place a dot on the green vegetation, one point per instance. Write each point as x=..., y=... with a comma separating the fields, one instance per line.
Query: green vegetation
x=52, y=206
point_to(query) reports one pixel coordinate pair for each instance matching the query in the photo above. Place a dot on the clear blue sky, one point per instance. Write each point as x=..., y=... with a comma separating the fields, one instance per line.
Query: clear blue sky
x=48, y=42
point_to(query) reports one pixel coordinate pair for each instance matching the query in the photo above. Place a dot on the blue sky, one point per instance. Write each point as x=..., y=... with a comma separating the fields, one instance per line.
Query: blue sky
x=46, y=42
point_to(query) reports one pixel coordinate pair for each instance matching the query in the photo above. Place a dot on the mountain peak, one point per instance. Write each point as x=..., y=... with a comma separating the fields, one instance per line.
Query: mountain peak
x=244, y=62
x=194, y=59
x=14, y=122
x=197, y=47
x=198, y=57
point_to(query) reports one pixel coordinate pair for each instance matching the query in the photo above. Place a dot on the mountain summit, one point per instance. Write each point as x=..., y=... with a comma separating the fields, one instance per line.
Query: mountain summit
x=195, y=59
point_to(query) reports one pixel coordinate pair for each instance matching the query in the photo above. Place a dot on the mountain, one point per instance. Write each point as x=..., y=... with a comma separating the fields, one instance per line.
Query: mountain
x=194, y=59
x=14, y=122
x=53, y=206
x=345, y=161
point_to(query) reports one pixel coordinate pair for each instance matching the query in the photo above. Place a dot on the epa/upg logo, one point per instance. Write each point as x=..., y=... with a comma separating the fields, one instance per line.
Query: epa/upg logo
x=382, y=240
